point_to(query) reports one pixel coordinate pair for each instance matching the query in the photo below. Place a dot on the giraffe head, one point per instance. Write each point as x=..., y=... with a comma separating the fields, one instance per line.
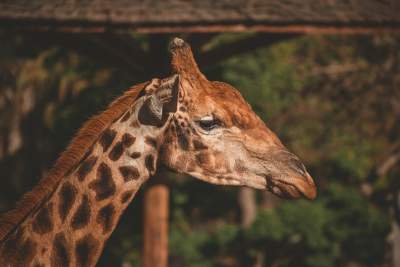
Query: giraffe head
x=213, y=134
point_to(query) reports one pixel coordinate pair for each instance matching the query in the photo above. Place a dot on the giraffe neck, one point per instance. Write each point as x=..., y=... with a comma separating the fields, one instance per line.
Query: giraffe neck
x=72, y=225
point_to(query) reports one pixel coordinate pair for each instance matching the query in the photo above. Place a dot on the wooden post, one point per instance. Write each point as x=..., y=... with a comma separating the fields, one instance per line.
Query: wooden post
x=156, y=210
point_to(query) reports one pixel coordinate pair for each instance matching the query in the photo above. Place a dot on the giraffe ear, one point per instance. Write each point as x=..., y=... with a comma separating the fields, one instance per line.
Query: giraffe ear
x=162, y=101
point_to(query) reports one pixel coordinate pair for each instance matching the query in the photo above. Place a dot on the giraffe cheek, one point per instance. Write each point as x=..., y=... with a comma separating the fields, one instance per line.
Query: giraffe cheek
x=198, y=145
x=203, y=159
x=191, y=167
x=220, y=163
x=181, y=163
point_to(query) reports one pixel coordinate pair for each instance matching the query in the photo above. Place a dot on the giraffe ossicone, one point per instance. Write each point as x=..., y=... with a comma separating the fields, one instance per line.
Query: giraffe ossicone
x=185, y=122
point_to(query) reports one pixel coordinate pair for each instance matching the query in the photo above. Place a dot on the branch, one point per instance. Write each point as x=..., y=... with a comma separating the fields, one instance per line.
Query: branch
x=244, y=45
x=198, y=40
x=388, y=164
x=335, y=69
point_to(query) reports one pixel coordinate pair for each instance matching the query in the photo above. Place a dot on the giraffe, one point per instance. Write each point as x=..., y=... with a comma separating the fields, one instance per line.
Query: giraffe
x=185, y=122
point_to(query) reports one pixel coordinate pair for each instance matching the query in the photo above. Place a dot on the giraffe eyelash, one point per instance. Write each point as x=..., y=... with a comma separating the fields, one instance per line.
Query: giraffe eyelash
x=209, y=123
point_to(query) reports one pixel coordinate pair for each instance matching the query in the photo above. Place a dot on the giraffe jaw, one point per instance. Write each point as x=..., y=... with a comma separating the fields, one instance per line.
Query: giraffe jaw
x=257, y=182
x=296, y=188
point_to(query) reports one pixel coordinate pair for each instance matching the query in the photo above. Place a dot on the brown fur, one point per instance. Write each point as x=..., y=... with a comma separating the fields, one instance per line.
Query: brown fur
x=85, y=138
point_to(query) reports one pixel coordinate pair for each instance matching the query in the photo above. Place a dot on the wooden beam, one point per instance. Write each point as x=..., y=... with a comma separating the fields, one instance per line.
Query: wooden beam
x=207, y=28
x=267, y=28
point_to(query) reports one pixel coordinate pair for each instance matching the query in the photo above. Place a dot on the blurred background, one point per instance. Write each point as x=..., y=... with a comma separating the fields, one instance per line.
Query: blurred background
x=325, y=79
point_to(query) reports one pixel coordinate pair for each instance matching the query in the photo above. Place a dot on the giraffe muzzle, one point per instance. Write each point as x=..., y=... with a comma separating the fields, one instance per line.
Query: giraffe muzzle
x=293, y=181
x=293, y=188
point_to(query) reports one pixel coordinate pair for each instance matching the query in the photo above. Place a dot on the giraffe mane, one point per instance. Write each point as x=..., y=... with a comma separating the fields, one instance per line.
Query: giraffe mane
x=83, y=140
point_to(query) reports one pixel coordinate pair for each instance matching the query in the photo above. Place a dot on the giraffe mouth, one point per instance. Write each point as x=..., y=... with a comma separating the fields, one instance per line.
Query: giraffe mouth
x=293, y=188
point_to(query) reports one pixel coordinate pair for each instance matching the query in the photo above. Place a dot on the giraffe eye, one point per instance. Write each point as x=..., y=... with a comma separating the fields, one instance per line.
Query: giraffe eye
x=208, y=123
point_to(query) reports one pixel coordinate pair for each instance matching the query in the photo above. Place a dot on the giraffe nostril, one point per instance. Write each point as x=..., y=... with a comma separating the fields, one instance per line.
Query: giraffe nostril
x=295, y=165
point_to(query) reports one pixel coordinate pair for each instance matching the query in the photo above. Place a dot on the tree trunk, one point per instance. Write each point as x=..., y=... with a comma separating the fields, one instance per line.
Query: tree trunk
x=156, y=209
x=396, y=244
x=248, y=209
x=269, y=201
x=248, y=206
x=395, y=235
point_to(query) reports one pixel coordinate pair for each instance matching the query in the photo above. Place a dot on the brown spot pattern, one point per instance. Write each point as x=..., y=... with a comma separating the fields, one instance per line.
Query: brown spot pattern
x=202, y=159
x=129, y=173
x=151, y=141
x=116, y=152
x=67, y=197
x=135, y=155
x=198, y=145
x=104, y=185
x=86, y=167
x=107, y=138
x=105, y=217
x=10, y=247
x=25, y=253
x=16, y=251
x=126, y=196
x=43, y=222
x=60, y=253
x=182, y=138
x=128, y=140
x=82, y=214
x=85, y=250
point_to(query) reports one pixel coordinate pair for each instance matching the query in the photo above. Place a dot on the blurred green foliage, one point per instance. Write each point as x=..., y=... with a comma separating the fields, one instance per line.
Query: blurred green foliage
x=331, y=101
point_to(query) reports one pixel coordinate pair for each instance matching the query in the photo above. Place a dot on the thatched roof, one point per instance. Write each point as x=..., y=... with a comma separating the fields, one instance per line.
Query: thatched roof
x=203, y=15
